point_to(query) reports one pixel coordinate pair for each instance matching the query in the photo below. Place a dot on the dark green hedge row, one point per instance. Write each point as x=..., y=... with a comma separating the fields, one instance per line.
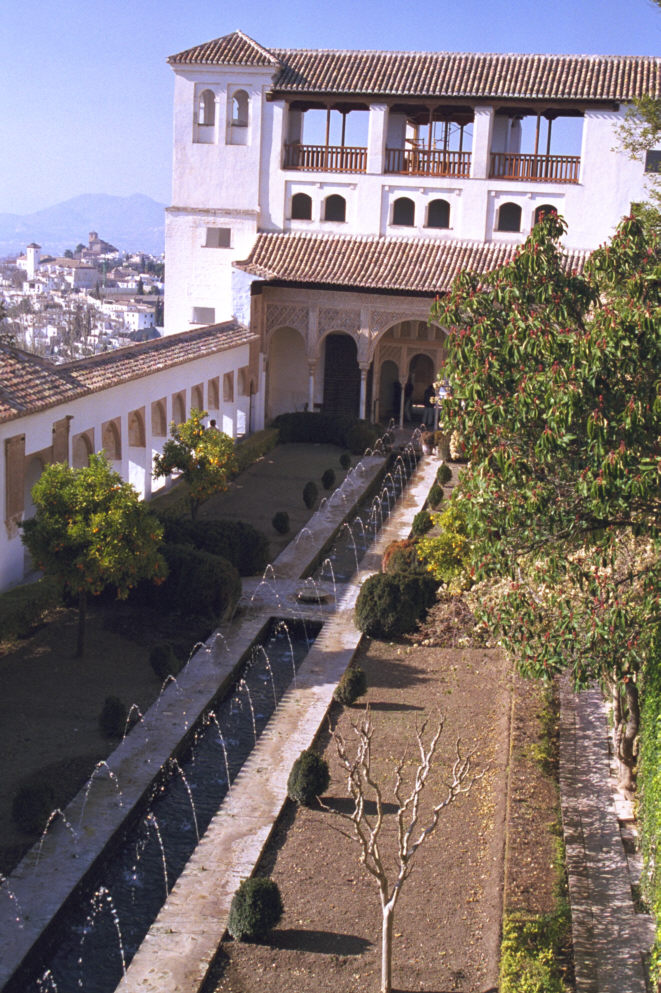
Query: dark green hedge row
x=253, y=446
x=21, y=608
x=240, y=543
x=331, y=429
x=649, y=798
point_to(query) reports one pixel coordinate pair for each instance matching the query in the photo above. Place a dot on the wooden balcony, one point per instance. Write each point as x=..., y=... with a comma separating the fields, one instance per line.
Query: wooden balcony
x=536, y=168
x=325, y=158
x=427, y=162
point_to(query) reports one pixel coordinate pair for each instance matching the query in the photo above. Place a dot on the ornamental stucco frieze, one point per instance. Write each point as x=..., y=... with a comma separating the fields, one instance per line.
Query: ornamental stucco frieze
x=284, y=315
x=337, y=319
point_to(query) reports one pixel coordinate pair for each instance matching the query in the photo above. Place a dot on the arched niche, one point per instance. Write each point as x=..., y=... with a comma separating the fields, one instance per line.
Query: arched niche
x=288, y=372
x=111, y=440
x=136, y=427
x=82, y=446
x=178, y=408
x=159, y=420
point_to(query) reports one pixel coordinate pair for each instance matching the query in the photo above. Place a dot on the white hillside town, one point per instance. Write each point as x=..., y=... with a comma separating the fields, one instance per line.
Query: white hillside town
x=320, y=201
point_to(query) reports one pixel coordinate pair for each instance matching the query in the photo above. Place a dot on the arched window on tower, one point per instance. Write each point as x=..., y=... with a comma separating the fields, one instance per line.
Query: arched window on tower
x=239, y=118
x=403, y=212
x=335, y=208
x=438, y=214
x=301, y=207
x=206, y=114
x=509, y=217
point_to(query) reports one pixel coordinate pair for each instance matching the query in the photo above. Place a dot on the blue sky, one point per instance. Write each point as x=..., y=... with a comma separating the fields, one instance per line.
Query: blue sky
x=86, y=94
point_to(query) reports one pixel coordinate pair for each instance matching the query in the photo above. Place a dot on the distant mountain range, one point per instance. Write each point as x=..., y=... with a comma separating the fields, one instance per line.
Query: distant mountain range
x=132, y=224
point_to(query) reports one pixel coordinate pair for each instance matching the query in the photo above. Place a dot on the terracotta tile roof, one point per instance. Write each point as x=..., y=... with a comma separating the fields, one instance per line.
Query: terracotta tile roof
x=419, y=265
x=29, y=383
x=235, y=49
x=463, y=75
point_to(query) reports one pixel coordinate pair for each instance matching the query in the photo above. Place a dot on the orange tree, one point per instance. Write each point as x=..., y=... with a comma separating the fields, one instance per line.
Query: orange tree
x=204, y=458
x=91, y=531
x=556, y=393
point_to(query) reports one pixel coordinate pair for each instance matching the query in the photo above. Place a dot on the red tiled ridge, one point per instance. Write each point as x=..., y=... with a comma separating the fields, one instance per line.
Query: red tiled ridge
x=422, y=265
x=29, y=383
x=438, y=74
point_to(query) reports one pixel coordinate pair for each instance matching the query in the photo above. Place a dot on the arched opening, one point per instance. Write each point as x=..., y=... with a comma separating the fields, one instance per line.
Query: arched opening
x=288, y=372
x=228, y=387
x=206, y=112
x=341, y=375
x=301, y=207
x=438, y=214
x=390, y=391
x=197, y=397
x=509, y=217
x=82, y=446
x=213, y=393
x=239, y=113
x=543, y=210
x=178, y=408
x=159, y=421
x=403, y=212
x=111, y=440
x=137, y=429
x=335, y=208
x=421, y=375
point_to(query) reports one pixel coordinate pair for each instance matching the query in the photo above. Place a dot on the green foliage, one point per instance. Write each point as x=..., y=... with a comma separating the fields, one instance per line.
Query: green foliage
x=445, y=554
x=112, y=719
x=199, y=584
x=255, y=910
x=254, y=446
x=238, y=542
x=32, y=806
x=205, y=459
x=401, y=556
x=163, y=660
x=280, y=521
x=422, y=523
x=91, y=531
x=328, y=479
x=555, y=387
x=361, y=436
x=351, y=686
x=310, y=494
x=649, y=798
x=435, y=496
x=23, y=606
x=444, y=474
x=530, y=960
x=308, y=779
x=345, y=461
x=389, y=606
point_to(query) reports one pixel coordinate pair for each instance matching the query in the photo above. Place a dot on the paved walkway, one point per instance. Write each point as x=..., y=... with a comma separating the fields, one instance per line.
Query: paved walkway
x=610, y=939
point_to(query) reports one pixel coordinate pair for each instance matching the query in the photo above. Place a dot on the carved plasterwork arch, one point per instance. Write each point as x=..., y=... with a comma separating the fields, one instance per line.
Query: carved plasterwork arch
x=285, y=315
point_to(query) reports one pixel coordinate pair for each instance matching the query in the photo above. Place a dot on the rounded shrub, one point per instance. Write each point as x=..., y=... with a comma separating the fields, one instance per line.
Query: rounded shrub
x=401, y=556
x=240, y=543
x=391, y=605
x=435, y=497
x=444, y=474
x=345, y=461
x=361, y=436
x=32, y=806
x=422, y=523
x=198, y=583
x=328, y=479
x=310, y=493
x=280, y=522
x=255, y=910
x=308, y=779
x=112, y=719
x=163, y=660
x=352, y=685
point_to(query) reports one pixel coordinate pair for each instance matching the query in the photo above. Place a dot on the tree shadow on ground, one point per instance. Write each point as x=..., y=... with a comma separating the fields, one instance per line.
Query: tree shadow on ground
x=392, y=673
x=320, y=942
x=345, y=805
x=389, y=706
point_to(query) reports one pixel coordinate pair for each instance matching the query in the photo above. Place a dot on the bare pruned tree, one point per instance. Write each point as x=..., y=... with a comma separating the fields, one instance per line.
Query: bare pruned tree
x=412, y=828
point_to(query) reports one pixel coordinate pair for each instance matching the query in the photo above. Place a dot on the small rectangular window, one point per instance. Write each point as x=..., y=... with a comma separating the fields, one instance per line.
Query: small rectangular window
x=203, y=315
x=218, y=238
x=653, y=161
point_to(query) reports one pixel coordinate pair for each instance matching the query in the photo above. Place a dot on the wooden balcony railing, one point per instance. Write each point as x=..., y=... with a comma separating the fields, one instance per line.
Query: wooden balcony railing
x=325, y=158
x=536, y=168
x=428, y=162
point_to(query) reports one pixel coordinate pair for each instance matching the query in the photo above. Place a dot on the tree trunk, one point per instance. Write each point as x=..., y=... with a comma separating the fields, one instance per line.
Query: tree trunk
x=629, y=724
x=386, y=946
x=82, y=611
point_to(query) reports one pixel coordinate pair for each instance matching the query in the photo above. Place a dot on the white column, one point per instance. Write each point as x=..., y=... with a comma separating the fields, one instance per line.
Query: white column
x=311, y=371
x=376, y=138
x=482, y=133
x=363, y=388
x=402, y=384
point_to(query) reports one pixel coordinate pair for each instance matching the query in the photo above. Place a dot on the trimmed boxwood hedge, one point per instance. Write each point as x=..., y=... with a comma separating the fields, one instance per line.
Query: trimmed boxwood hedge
x=389, y=606
x=308, y=779
x=332, y=429
x=240, y=543
x=255, y=910
x=22, y=607
x=198, y=583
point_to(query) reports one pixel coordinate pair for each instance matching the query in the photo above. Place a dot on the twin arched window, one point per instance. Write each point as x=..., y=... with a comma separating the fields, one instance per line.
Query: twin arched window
x=240, y=109
x=301, y=207
x=335, y=208
x=438, y=214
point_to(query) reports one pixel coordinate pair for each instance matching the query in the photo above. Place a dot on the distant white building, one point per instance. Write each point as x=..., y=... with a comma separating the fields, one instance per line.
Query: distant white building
x=325, y=197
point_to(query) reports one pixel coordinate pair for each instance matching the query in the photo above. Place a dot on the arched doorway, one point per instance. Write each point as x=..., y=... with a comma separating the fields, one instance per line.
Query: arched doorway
x=341, y=375
x=389, y=392
x=421, y=375
x=288, y=372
